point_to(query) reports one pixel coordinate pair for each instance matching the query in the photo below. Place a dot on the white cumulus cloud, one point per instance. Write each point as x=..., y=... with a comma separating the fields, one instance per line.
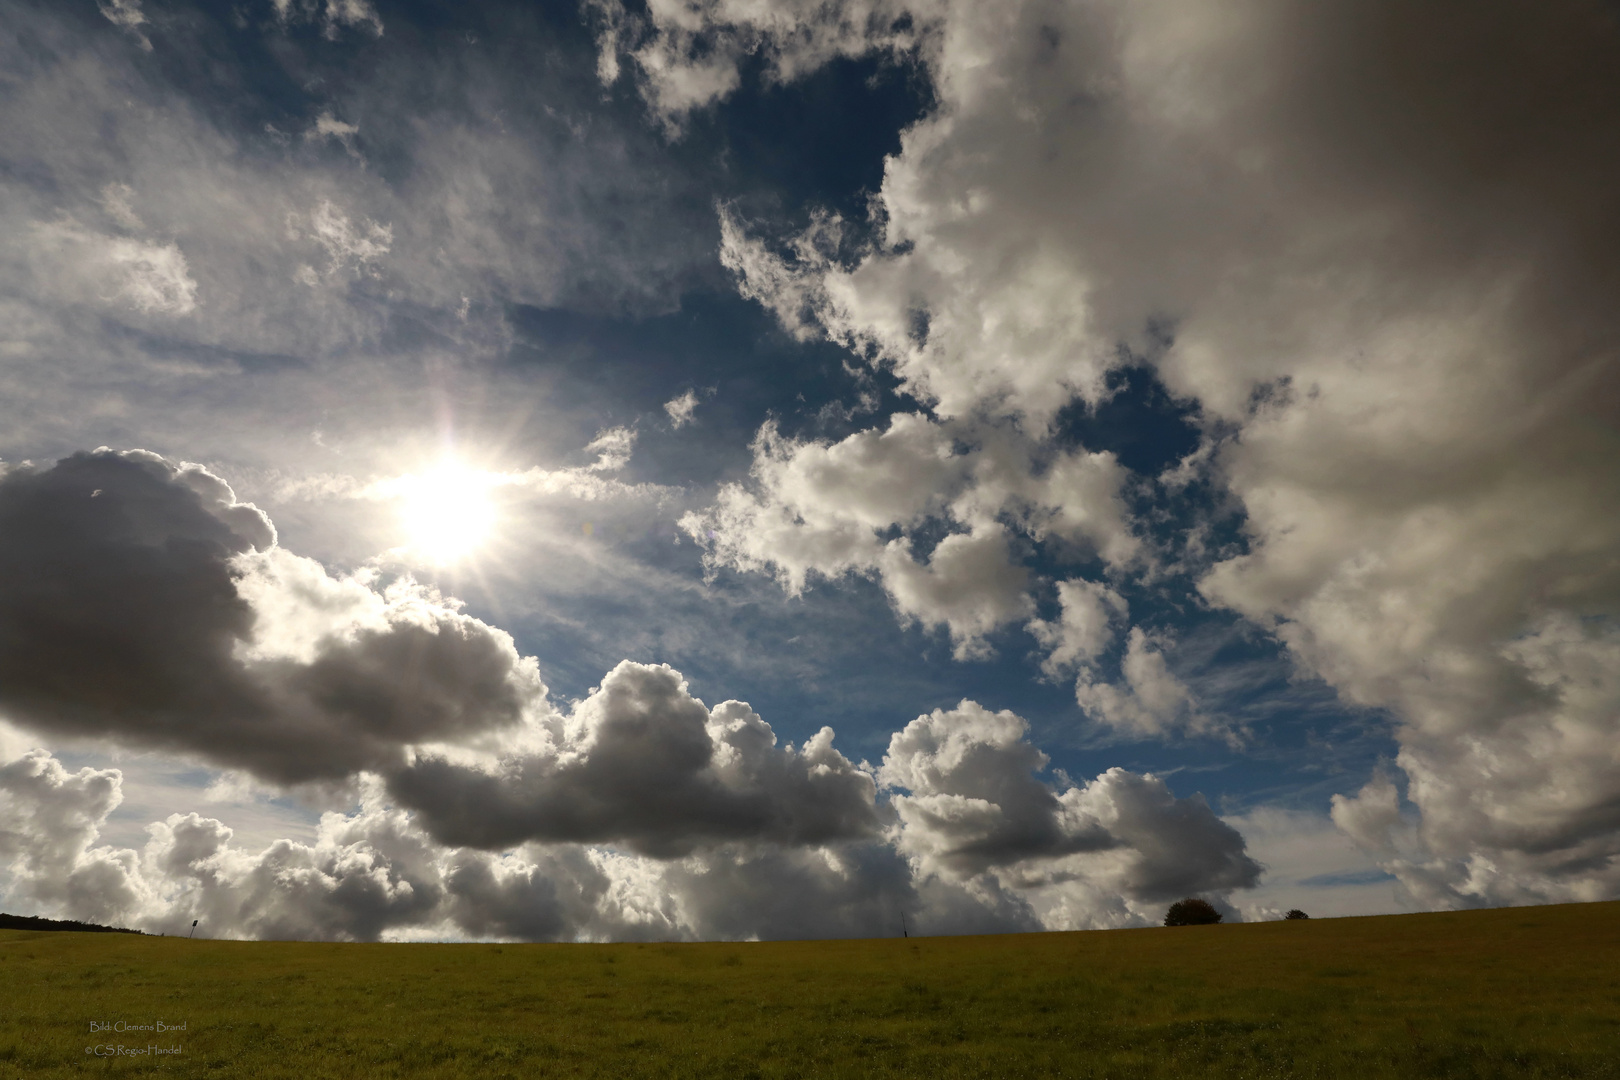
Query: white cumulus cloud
x=1375, y=244
x=819, y=509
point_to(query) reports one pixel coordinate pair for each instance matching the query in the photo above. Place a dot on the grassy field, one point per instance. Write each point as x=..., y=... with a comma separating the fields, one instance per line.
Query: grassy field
x=1522, y=992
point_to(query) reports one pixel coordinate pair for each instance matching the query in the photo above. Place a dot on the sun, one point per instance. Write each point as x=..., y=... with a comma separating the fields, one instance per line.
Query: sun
x=447, y=512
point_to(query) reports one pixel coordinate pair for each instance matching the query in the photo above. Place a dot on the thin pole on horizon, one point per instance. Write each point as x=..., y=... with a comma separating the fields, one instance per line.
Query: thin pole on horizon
x=193, y=930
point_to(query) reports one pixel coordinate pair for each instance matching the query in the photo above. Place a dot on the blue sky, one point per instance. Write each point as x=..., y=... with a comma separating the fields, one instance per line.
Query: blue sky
x=1172, y=452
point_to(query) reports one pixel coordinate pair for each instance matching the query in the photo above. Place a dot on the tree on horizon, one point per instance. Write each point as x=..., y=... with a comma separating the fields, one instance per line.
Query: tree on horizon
x=1192, y=912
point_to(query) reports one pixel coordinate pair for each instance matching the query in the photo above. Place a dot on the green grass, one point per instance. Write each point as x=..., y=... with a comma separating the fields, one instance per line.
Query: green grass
x=1518, y=992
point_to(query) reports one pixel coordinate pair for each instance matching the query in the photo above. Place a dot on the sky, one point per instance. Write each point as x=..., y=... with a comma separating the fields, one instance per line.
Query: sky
x=721, y=469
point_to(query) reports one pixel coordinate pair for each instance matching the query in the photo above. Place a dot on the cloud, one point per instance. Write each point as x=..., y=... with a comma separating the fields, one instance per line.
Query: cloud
x=350, y=248
x=328, y=126
x=52, y=820
x=115, y=199
x=155, y=278
x=331, y=14
x=1515, y=808
x=974, y=800
x=545, y=897
x=151, y=259
x=1088, y=612
x=1096, y=854
x=642, y=763
x=128, y=611
x=1149, y=700
x=1016, y=343
x=113, y=272
x=127, y=14
x=1376, y=245
x=817, y=508
x=970, y=585
x=364, y=875
x=143, y=604
x=680, y=409
x=613, y=448
x=687, y=57
x=374, y=874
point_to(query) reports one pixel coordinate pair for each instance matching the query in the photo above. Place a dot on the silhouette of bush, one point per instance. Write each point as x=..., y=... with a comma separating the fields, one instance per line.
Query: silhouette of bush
x=1191, y=912
x=1295, y=913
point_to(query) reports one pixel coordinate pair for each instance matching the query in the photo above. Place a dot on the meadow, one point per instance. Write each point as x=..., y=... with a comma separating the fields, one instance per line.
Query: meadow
x=1516, y=992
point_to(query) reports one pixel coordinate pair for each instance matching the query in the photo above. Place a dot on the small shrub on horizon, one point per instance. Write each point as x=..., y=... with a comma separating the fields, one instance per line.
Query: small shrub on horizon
x=1192, y=912
x=1295, y=913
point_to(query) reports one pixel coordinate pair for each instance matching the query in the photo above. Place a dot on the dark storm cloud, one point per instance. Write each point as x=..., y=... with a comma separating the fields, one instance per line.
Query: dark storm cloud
x=140, y=601
x=642, y=763
x=121, y=616
x=117, y=604
x=549, y=899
